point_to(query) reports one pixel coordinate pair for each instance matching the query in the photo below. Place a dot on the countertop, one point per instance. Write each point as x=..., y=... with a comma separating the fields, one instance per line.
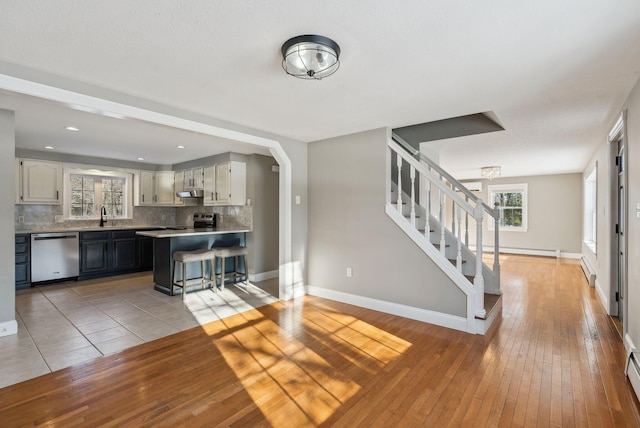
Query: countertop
x=167, y=233
x=87, y=229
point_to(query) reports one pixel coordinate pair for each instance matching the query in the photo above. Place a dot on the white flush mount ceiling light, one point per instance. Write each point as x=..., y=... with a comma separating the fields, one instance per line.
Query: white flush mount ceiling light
x=310, y=57
x=71, y=128
x=490, y=172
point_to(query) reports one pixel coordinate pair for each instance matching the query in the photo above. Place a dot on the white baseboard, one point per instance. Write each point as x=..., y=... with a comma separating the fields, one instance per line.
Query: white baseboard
x=8, y=328
x=418, y=314
x=263, y=276
x=628, y=344
x=588, y=271
x=603, y=297
x=531, y=252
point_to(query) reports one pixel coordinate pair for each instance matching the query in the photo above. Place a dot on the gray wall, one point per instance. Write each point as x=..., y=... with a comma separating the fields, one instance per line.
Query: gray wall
x=262, y=189
x=348, y=227
x=7, y=250
x=554, y=214
x=633, y=227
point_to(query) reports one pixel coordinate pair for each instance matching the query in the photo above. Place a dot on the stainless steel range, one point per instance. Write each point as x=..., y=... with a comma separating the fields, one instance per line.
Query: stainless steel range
x=204, y=221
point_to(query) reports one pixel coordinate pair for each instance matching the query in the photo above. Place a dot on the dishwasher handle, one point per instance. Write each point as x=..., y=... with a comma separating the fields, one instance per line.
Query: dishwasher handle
x=43, y=238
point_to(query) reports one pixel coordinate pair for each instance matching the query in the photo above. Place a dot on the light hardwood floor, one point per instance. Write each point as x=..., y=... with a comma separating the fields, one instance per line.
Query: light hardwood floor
x=555, y=360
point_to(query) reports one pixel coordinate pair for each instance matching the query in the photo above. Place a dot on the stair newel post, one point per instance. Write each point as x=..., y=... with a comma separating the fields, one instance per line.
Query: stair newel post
x=478, y=281
x=413, y=196
x=496, y=258
x=399, y=164
x=459, y=257
x=442, y=227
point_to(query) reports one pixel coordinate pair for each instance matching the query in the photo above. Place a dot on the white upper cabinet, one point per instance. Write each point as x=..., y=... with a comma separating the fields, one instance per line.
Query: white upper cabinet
x=178, y=186
x=17, y=180
x=231, y=183
x=194, y=179
x=155, y=188
x=165, y=194
x=209, y=186
x=41, y=182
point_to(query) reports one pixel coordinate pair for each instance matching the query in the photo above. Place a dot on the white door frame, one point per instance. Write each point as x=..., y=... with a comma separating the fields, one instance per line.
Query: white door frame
x=617, y=132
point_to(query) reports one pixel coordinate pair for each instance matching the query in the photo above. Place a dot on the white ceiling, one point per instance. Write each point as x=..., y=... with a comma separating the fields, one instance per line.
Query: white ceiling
x=555, y=73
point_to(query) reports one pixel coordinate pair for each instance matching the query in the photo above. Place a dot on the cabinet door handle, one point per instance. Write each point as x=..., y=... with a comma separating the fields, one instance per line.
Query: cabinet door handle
x=57, y=195
x=143, y=197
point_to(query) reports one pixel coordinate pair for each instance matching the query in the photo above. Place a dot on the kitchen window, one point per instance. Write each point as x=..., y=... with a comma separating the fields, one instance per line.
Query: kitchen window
x=511, y=201
x=88, y=190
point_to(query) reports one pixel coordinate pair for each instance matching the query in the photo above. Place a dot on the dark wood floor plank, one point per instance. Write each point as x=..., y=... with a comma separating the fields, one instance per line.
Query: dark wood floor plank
x=554, y=359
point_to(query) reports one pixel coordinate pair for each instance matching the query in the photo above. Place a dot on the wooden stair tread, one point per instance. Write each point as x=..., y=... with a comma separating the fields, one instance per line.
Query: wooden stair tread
x=490, y=303
x=455, y=262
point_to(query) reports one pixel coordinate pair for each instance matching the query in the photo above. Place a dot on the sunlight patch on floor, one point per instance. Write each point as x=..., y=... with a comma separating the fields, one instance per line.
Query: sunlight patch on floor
x=309, y=389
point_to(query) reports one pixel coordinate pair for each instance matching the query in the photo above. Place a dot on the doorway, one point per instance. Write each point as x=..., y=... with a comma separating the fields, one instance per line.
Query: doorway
x=618, y=289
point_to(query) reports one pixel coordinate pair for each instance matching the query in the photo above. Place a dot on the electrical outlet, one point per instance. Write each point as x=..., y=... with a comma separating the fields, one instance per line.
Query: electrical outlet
x=164, y=217
x=349, y=272
x=58, y=219
x=20, y=219
x=220, y=217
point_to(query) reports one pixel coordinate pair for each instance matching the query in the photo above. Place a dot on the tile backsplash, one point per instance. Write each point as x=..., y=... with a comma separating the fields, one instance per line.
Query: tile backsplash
x=43, y=217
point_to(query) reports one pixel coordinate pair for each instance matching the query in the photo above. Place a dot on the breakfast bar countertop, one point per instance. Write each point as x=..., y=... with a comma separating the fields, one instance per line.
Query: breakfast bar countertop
x=168, y=233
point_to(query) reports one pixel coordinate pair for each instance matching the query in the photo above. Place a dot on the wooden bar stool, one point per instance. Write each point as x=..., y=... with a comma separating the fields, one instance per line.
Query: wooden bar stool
x=184, y=257
x=224, y=253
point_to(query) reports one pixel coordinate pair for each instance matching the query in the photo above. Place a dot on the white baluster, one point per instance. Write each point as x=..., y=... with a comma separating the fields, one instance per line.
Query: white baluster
x=413, y=196
x=442, y=227
x=427, y=227
x=466, y=225
x=453, y=216
x=399, y=202
x=459, y=257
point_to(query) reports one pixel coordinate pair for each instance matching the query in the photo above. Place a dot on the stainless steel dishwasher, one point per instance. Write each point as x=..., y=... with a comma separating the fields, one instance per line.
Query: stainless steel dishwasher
x=54, y=256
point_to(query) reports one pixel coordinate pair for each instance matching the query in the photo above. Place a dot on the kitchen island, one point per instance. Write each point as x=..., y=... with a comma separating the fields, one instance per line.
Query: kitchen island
x=166, y=242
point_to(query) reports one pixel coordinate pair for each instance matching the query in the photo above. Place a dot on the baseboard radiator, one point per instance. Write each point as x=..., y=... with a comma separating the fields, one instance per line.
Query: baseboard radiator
x=632, y=371
x=588, y=272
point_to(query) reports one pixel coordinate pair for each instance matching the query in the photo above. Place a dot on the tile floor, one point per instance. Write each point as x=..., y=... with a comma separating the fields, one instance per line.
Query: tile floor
x=64, y=324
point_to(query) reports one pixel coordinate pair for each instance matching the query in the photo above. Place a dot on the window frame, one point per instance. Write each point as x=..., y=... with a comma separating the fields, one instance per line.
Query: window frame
x=590, y=210
x=523, y=188
x=127, y=193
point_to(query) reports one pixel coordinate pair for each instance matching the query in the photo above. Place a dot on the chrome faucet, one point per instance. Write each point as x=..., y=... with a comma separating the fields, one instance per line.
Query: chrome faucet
x=103, y=216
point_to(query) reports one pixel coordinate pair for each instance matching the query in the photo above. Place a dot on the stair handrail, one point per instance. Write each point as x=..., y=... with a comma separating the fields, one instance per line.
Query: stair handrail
x=454, y=183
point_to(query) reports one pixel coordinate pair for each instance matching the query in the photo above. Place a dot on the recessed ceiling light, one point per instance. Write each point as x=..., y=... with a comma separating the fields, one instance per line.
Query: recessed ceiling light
x=71, y=128
x=180, y=147
x=140, y=158
x=48, y=147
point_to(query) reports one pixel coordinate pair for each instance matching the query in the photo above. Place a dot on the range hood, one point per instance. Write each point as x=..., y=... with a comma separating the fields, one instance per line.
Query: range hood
x=191, y=194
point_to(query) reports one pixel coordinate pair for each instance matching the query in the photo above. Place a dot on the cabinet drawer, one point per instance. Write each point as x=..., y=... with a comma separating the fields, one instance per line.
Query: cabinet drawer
x=22, y=258
x=94, y=236
x=22, y=239
x=124, y=234
x=22, y=248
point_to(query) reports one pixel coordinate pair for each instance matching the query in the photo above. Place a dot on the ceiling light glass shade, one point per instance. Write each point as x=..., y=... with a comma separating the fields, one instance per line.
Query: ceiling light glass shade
x=491, y=172
x=310, y=57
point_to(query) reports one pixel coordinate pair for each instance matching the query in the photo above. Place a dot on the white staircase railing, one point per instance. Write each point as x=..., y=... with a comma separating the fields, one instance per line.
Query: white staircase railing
x=441, y=198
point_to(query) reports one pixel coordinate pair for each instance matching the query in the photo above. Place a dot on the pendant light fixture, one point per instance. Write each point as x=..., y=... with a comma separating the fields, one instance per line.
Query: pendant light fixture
x=310, y=57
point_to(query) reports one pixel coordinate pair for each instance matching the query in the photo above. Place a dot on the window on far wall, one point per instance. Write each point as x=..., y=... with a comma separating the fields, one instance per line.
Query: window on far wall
x=89, y=190
x=590, y=209
x=511, y=202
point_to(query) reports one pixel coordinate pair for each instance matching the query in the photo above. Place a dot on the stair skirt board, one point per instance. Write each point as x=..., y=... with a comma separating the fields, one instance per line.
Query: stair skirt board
x=632, y=368
x=438, y=318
